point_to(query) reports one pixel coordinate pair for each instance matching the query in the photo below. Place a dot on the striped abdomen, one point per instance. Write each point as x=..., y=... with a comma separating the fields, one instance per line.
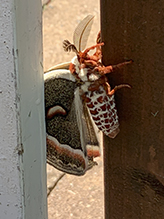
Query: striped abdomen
x=103, y=111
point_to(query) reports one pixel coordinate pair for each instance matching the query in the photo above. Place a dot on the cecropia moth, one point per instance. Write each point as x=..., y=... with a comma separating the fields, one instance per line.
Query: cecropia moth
x=72, y=98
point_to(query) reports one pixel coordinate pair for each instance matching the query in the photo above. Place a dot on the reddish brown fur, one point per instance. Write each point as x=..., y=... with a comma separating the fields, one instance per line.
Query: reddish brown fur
x=92, y=62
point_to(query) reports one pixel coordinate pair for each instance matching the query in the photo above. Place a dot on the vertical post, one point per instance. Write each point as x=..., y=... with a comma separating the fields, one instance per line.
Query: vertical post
x=134, y=163
x=22, y=128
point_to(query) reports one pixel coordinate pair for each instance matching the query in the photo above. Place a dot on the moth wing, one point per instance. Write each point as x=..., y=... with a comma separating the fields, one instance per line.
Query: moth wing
x=91, y=136
x=88, y=134
x=64, y=65
x=65, y=126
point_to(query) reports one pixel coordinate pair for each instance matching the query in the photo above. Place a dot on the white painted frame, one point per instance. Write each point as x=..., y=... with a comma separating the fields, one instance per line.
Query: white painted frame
x=22, y=126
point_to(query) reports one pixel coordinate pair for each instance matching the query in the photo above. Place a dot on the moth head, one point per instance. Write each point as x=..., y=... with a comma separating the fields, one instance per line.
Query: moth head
x=68, y=47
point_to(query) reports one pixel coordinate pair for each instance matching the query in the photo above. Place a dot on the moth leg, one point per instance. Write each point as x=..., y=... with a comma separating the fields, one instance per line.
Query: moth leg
x=98, y=40
x=110, y=93
x=107, y=88
x=111, y=68
x=104, y=69
x=84, y=56
x=92, y=47
x=98, y=53
x=122, y=64
x=91, y=63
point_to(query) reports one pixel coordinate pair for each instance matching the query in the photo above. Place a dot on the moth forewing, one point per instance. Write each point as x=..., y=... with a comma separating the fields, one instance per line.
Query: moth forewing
x=66, y=132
